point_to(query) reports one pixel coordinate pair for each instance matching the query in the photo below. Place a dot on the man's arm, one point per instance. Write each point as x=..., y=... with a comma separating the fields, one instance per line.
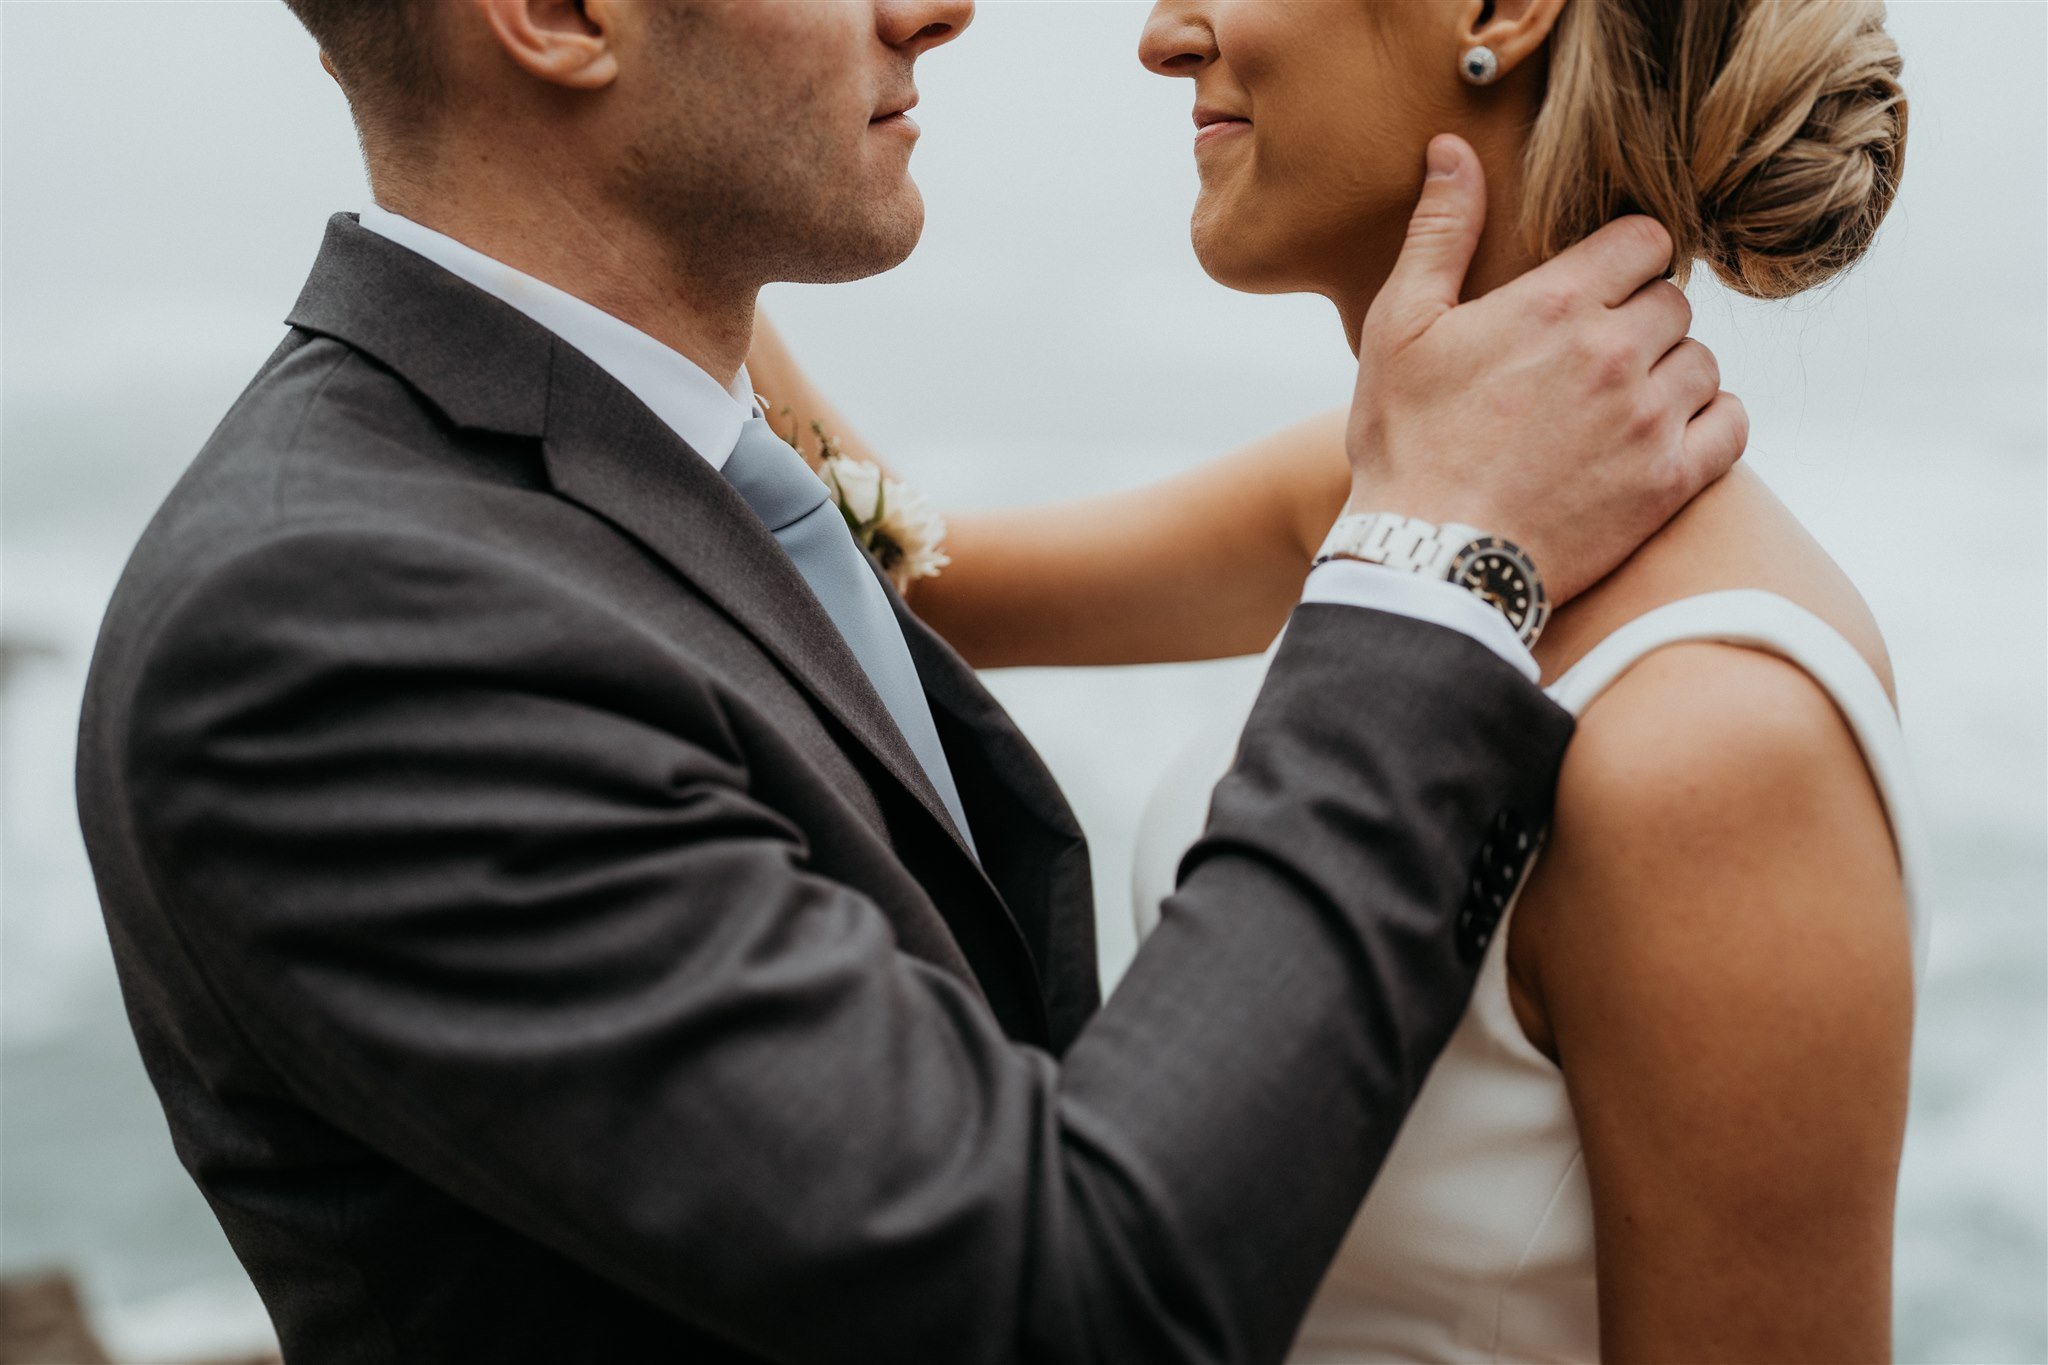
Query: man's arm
x=492, y=892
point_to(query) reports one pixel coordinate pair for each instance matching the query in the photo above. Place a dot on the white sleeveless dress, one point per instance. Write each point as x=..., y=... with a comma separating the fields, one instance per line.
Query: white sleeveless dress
x=1476, y=1242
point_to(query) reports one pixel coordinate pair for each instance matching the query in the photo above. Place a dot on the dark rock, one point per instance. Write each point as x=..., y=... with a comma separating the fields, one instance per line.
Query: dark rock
x=42, y=1322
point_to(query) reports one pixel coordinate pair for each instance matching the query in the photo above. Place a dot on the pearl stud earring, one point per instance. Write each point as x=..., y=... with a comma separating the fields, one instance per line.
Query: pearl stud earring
x=1479, y=66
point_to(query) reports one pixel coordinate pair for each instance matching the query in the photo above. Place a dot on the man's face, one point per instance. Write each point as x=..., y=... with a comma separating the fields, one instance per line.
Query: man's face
x=766, y=138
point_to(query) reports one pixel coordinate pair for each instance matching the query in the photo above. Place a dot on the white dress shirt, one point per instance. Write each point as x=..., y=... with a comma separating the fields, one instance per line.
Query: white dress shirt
x=1355, y=583
x=692, y=404
x=707, y=416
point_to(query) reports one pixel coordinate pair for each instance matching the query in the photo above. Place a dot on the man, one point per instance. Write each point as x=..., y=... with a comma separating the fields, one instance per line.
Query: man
x=571, y=911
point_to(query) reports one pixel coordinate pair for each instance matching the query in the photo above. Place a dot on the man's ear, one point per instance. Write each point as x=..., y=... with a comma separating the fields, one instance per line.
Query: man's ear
x=563, y=42
x=1514, y=29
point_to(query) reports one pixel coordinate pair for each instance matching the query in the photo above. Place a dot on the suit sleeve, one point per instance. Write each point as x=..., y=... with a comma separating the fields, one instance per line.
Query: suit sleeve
x=486, y=897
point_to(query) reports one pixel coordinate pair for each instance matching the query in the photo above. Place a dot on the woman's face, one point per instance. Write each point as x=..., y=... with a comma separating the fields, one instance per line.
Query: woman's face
x=1317, y=114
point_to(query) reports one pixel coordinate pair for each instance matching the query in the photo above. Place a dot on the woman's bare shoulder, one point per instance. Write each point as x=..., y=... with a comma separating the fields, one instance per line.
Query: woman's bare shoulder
x=1718, y=776
x=1737, y=534
x=1714, y=819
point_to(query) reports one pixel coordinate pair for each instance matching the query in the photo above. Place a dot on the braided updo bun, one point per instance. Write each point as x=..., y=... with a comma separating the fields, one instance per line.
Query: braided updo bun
x=1766, y=135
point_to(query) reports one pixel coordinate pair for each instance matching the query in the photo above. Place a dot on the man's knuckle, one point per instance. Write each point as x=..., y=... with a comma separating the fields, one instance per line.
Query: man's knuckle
x=1553, y=303
x=1696, y=365
x=1738, y=425
x=1684, y=304
x=1613, y=362
x=1710, y=365
x=1646, y=420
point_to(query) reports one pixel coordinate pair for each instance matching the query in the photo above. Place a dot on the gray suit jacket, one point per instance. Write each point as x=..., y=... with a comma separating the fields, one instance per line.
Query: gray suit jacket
x=545, y=947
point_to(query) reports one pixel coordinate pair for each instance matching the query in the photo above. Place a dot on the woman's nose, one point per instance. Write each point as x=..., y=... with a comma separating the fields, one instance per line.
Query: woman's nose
x=1177, y=40
x=920, y=25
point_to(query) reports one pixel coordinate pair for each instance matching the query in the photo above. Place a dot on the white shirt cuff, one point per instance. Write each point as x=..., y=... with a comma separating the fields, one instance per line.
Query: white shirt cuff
x=1354, y=583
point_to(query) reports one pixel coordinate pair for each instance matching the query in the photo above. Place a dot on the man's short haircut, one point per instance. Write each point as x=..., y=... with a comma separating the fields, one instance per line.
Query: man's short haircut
x=383, y=55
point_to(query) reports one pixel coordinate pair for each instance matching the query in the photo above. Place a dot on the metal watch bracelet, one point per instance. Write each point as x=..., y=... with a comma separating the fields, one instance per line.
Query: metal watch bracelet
x=1497, y=572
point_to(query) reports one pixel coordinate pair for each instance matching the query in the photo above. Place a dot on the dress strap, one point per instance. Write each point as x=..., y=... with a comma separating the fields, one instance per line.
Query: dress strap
x=1765, y=621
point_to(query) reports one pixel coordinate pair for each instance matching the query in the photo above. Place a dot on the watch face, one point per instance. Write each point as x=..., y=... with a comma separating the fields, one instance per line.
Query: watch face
x=1499, y=574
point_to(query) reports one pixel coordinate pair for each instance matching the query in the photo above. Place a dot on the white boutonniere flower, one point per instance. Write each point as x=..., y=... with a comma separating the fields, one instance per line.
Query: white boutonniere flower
x=889, y=519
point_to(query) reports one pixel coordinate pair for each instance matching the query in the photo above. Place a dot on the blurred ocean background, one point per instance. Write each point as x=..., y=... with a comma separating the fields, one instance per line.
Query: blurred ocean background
x=168, y=168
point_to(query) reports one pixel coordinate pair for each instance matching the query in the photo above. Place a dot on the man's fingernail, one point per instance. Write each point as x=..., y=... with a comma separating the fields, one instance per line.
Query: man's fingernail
x=1443, y=161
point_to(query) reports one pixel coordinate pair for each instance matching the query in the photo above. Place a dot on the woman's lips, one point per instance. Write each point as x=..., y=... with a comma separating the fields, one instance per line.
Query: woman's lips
x=1221, y=128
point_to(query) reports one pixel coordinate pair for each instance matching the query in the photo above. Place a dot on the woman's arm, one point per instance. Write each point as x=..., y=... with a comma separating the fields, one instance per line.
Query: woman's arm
x=1716, y=951
x=1203, y=565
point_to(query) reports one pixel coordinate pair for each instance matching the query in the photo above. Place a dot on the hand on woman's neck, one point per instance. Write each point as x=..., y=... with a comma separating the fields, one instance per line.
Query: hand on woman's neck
x=1501, y=257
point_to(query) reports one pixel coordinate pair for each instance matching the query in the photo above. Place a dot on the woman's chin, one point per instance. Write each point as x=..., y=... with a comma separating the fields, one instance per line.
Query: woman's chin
x=1224, y=257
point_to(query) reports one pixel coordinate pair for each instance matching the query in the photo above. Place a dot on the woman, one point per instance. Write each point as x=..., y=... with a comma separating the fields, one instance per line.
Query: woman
x=1669, y=1124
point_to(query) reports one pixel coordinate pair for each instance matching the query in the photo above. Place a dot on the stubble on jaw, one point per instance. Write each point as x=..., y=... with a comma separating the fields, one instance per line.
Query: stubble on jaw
x=778, y=185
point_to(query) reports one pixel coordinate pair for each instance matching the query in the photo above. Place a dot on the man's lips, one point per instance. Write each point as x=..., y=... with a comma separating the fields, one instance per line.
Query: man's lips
x=898, y=112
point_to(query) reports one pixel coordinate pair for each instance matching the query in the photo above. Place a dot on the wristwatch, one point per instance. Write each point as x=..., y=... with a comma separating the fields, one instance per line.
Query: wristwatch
x=1498, y=572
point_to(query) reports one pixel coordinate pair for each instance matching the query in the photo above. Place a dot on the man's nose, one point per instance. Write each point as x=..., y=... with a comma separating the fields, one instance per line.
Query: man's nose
x=917, y=26
x=1177, y=40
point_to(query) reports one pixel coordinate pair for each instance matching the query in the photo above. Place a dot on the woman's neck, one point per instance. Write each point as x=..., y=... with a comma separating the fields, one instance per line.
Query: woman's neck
x=1501, y=257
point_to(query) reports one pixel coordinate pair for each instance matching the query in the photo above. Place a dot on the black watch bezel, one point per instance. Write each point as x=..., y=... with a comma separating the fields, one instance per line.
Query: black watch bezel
x=1526, y=611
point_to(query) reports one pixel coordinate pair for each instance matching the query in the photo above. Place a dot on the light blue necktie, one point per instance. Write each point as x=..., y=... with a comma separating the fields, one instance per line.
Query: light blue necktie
x=799, y=512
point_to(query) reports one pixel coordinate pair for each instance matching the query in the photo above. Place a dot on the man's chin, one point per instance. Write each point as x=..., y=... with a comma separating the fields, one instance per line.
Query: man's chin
x=876, y=241
x=902, y=229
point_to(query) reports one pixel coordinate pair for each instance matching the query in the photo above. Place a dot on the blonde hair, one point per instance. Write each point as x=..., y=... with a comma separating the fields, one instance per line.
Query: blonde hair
x=1766, y=135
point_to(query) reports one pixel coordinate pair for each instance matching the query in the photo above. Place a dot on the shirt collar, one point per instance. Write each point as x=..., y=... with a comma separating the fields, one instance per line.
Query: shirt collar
x=706, y=415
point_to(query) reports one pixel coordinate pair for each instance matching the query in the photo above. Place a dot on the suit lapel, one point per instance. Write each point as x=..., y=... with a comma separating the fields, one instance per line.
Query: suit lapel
x=952, y=687
x=606, y=451
x=1034, y=850
x=487, y=366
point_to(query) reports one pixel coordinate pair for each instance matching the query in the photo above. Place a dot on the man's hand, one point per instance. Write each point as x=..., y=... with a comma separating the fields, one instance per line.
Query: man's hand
x=1566, y=410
